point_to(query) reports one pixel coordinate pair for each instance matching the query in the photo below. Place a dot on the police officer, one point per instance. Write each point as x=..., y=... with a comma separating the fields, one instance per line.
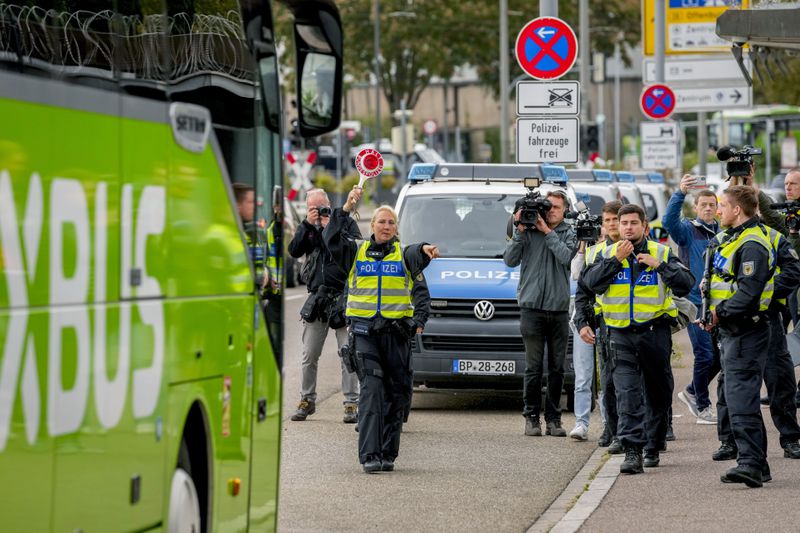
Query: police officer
x=779, y=369
x=741, y=291
x=384, y=312
x=592, y=331
x=636, y=280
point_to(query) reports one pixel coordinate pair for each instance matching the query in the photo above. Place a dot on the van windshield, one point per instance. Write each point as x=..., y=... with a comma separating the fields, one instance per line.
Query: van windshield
x=461, y=226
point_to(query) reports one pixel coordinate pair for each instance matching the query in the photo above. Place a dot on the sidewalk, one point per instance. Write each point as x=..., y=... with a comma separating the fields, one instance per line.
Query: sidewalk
x=684, y=493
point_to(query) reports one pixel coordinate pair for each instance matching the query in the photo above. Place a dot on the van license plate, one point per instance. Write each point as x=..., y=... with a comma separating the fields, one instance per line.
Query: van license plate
x=484, y=368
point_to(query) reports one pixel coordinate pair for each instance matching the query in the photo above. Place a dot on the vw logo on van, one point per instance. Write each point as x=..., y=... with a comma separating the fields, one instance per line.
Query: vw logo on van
x=484, y=310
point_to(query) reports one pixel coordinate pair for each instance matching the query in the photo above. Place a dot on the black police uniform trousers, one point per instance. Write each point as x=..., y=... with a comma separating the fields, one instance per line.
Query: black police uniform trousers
x=384, y=393
x=640, y=356
x=537, y=328
x=607, y=378
x=743, y=359
x=781, y=388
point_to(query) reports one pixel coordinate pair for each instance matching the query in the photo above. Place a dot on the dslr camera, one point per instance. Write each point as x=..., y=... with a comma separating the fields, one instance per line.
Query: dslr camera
x=324, y=211
x=532, y=205
x=739, y=161
x=587, y=225
x=792, y=212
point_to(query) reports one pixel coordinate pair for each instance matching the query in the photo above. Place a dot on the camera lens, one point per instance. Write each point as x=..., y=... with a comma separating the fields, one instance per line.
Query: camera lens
x=324, y=211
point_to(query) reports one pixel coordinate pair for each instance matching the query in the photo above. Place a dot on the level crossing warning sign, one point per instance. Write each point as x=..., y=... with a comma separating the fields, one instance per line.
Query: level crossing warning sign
x=657, y=101
x=546, y=48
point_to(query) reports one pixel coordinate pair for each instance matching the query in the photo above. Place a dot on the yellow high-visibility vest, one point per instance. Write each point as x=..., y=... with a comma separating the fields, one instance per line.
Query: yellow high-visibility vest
x=274, y=261
x=723, y=284
x=379, y=287
x=591, y=256
x=774, y=237
x=631, y=301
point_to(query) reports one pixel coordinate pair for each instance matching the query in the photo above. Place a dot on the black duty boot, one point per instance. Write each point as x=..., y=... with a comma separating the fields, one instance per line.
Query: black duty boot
x=605, y=438
x=651, y=458
x=749, y=475
x=632, y=463
x=766, y=476
x=372, y=465
x=791, y=450
x=533, y=427
x=670, y=433
x=615, y=447
x=554, y=428
x=387, y=465
x=726, y=452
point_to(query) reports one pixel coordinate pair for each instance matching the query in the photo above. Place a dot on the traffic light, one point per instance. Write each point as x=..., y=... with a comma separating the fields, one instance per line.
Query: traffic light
x=590, y=138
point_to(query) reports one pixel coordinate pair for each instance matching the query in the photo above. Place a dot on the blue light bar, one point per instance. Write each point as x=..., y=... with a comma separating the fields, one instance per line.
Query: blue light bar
x=554, y=174
x=655, y=177
x=602, y=175
x=421, y=171
x=625, y=177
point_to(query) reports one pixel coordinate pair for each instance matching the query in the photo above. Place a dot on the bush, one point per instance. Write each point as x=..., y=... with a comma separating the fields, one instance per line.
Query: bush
x=348, y=182
x=325, y=181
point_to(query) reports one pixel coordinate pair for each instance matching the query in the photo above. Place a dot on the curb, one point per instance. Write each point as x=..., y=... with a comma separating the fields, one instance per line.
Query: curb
x=564, y=517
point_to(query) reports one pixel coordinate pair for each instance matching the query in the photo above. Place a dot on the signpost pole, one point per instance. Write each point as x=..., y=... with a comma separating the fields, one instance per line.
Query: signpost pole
x=548, y=8
x=702, y=143
x=583, y=45
x=404, y=141
x=504, y=81
x=660, y=38
x=617, y=102
x=377, y=46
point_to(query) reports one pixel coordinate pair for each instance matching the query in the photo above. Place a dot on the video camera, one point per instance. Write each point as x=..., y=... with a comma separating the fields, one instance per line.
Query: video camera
x=587, y=225
x=792, y=212
x=532, y=205
x=739, y=161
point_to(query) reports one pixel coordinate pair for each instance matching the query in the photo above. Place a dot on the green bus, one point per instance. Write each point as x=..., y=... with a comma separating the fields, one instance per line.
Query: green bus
x=140, y=179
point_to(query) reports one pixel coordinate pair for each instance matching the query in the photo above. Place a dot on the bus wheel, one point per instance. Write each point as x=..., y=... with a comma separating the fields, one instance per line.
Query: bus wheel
x=184, y=506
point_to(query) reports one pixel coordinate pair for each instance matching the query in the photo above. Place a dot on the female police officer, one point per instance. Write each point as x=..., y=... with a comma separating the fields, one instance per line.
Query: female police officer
x=387, y=304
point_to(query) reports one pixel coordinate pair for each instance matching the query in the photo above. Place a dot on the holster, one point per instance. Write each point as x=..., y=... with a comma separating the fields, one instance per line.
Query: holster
x=352, y=362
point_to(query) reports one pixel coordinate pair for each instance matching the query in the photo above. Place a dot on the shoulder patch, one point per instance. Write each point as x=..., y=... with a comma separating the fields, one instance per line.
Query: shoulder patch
x=794, y=254
x=748, y=267
x=420, y=277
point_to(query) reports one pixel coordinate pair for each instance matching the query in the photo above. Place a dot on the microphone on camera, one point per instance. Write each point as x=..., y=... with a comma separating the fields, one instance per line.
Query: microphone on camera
x=725, y=152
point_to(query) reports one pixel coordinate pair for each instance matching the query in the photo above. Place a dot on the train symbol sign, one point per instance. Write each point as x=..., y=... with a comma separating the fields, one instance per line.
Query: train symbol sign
x=546, y=48
x=657, y=101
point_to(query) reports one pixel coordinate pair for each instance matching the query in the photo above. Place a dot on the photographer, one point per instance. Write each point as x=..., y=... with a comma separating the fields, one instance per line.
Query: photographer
x=545, y=250
x=324, y=307
x=786, y=223
x=692, y=238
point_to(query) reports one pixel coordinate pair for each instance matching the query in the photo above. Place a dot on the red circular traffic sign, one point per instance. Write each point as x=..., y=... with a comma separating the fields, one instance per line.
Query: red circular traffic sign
x=657, y=101
x=369, y=162
x=546, y=48
x=430, y=127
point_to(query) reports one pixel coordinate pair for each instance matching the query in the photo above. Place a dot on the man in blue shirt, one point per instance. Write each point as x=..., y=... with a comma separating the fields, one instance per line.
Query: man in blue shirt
x=692, y=237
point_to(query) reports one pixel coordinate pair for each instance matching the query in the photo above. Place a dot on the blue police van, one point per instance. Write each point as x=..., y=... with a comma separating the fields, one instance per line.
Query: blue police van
x=472, y=340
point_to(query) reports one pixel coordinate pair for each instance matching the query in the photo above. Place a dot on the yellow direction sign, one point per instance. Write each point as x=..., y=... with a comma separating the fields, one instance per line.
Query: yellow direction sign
x=691, y=26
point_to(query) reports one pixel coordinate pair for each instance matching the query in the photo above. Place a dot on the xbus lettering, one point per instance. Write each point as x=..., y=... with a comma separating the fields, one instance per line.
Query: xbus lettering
x=78, y=312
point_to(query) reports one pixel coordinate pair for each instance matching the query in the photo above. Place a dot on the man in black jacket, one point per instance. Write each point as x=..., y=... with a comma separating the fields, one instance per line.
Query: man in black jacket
x=324, y=308
x=636, y=280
